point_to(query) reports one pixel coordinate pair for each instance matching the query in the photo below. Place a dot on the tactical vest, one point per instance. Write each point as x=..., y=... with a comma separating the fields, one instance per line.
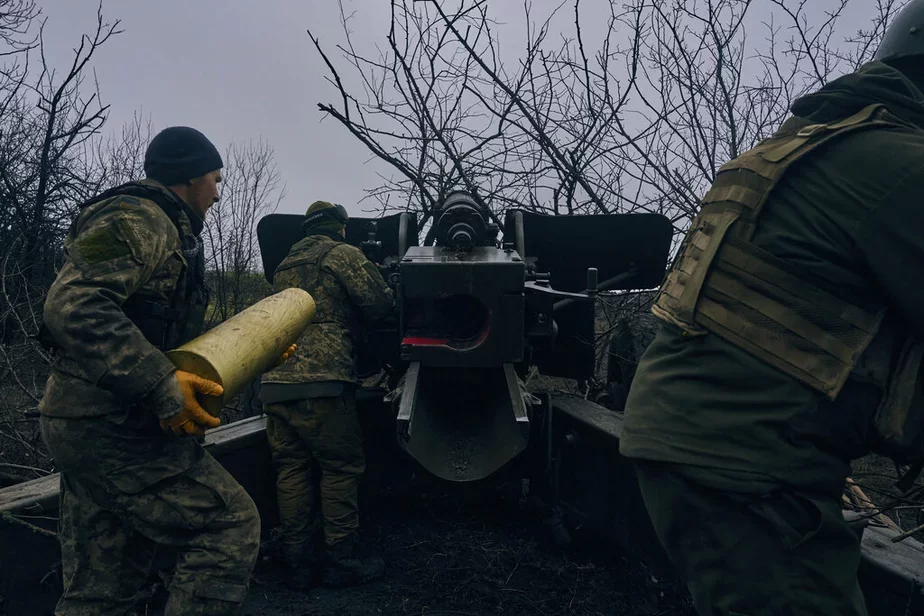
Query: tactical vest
x=168, y=325
x=723, y=284
x=310, y=260
x=333, y=306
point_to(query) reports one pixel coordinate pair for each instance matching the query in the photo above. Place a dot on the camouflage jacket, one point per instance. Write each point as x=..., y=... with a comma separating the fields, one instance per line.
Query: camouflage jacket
x=349, y=294
x=122, y=251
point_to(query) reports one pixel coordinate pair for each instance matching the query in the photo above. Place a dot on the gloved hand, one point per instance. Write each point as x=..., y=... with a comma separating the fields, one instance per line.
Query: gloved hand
x=192, y=418
x=287, y=354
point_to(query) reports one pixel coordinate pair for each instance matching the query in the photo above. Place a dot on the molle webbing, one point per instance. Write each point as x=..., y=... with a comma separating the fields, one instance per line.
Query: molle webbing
x=310, y=262
x=168, y=322
x=724, y=284
x=313, y=255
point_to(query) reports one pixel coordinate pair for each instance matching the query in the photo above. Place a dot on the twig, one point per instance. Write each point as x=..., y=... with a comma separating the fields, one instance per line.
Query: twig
x=515, y=567
x=38, y=471
x=907, y=533
x=5, y=516
x=862, y=501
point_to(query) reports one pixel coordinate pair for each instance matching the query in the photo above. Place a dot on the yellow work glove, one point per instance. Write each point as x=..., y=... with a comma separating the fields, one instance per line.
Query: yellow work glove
x=192, y=418
x=287, y=354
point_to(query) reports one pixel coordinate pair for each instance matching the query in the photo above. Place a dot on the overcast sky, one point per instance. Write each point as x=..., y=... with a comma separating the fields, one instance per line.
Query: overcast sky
x=240, y=70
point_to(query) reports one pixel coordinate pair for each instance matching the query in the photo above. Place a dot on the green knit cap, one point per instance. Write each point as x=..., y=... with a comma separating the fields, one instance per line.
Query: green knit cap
x=325, y=217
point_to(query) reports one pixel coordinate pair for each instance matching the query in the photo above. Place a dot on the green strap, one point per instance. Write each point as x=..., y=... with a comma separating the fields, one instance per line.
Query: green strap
x=819, y=133
x=815, y=370
x=692, y=270
x=756, y=264
x=744, y=195
x=781, y=314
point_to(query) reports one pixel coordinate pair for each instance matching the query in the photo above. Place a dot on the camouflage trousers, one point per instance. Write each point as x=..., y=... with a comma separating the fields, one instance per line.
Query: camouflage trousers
x=125, y=492
x=781, y=554
x=319, y=436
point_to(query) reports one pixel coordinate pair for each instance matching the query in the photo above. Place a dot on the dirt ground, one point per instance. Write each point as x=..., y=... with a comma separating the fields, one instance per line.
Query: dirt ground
x=454, y=553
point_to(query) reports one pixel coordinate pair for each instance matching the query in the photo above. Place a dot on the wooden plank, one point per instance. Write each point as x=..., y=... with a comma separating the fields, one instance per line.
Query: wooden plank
x=904, y=559
x=41, y=495
x=30, y=494
x=590, y=414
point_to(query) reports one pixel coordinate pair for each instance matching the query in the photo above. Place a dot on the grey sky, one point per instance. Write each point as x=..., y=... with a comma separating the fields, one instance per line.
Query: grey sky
x=243, y=70
x=232, y=70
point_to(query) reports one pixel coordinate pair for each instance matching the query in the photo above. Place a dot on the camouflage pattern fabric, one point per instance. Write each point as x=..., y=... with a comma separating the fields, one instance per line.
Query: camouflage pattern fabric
x=323, y=433
x=115, y=249
x=781, y=553
x=126, y=486
x=125, y=491
x=349, y=293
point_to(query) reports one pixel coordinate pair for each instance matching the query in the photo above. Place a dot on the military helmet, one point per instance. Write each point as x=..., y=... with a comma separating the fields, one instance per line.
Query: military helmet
x=905, y=35
x=324, y=209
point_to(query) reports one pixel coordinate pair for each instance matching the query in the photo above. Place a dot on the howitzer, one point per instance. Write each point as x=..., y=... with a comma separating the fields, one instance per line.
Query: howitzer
x=464, y=386
x=475, y=313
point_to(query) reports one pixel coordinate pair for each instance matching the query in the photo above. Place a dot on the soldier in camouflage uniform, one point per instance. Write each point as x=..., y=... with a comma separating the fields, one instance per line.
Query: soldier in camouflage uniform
x=119, y=419
x=312, y=423
x=791, y=344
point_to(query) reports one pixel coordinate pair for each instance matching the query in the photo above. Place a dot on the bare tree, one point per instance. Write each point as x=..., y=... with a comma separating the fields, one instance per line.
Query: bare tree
x=442, y=108
x=639, y=119
x=48, y=121
x=251, y=188
x=16, y=18
x=116, y=159
x=54, y=156
x=44, y=128
x=706, y=94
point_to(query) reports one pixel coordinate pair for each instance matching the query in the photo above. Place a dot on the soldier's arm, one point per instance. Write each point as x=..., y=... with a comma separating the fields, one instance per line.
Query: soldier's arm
x=111, y=256
x=892, y=241
x=363, y=282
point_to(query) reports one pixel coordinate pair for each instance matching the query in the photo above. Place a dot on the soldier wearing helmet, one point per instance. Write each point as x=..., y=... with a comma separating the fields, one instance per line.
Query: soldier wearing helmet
x=310, y=402
x=791, y=345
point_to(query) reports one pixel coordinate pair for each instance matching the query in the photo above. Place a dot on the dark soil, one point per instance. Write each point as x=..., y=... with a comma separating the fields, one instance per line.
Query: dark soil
x=466, y=553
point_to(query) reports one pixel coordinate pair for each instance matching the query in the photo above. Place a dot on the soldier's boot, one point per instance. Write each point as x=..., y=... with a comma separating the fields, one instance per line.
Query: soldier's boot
x=351, y=562
x=184, y=603
x=304, y=566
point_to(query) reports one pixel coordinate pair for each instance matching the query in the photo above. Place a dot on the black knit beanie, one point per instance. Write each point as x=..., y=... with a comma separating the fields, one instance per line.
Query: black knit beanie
x=180, y=153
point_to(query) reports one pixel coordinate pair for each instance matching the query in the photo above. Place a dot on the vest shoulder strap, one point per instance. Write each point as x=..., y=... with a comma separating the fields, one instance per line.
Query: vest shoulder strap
x=744, y=183
x=307, y=256
x=170, y=207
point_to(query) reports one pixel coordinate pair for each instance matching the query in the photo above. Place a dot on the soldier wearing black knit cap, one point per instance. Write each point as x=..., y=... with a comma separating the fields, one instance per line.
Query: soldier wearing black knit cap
x=186, y=162
x=118, y=417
